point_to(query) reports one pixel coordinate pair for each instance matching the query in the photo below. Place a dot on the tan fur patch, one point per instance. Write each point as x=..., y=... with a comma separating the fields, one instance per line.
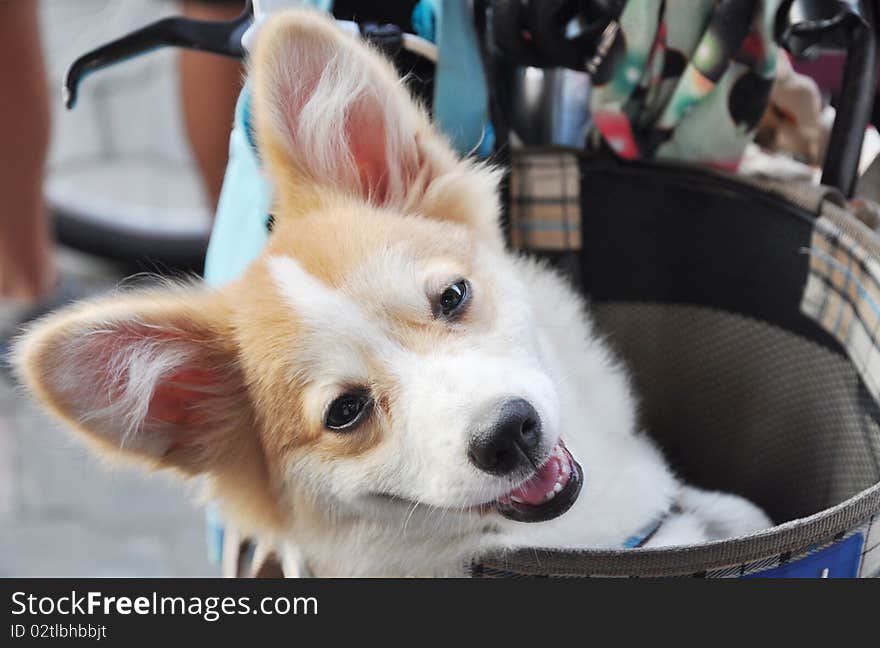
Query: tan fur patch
x=339, y=246
x=425, y=217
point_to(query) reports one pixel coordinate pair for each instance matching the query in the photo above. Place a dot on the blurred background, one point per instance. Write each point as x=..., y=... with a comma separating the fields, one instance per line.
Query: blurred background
x=120, y=174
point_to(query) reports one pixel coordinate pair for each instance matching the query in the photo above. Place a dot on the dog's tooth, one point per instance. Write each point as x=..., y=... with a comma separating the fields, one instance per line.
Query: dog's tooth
x=515, y=499
x=557, y=487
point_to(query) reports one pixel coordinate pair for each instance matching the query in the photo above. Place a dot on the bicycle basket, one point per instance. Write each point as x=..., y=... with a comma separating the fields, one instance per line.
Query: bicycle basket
x=748, y=317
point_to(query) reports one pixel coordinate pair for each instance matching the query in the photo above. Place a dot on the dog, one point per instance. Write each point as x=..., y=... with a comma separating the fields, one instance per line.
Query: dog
x=387, y=390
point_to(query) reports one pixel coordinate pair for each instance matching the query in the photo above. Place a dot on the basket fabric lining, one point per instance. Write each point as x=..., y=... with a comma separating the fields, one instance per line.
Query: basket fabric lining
x=762, y=423
x=784, y=424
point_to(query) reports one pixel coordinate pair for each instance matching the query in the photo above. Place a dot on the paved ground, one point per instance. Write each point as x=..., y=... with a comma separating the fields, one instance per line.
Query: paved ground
x=62, y=513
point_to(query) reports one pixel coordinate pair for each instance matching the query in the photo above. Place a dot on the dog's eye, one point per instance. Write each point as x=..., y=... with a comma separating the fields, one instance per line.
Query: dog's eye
x=453, y=299
x=347, y=411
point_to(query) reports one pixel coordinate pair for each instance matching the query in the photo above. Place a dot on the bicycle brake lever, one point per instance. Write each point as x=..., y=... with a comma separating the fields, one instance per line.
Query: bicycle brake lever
x=222, y=38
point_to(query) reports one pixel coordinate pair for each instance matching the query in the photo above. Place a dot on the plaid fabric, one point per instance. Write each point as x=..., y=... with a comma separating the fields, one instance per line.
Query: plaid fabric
x=545, y=200
x=842, y=293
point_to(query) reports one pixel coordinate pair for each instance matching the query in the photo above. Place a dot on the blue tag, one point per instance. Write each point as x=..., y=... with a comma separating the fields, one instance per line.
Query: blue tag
x=840, y=560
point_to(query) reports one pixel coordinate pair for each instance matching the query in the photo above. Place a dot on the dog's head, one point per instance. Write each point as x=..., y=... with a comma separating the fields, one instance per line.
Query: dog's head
x=381, y=351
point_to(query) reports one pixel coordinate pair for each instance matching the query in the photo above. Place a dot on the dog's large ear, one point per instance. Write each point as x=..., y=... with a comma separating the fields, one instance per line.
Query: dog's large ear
x=150, y=375
x=332, y=115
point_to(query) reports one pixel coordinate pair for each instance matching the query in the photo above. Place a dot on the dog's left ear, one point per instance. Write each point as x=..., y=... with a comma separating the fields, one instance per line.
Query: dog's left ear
x=332, y=116
x=150, y=376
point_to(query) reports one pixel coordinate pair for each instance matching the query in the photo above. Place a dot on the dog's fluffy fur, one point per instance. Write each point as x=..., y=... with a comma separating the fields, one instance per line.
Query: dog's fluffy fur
x=375, y=216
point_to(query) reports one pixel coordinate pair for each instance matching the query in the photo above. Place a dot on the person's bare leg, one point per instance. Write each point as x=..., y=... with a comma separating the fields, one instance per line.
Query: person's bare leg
x=209, y=87
x=26, y=269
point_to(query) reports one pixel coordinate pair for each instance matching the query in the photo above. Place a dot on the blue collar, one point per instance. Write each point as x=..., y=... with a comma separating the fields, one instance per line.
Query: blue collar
x=641, y=537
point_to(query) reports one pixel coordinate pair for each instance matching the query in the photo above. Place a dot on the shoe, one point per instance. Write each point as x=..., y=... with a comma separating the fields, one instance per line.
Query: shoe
x=13, y=317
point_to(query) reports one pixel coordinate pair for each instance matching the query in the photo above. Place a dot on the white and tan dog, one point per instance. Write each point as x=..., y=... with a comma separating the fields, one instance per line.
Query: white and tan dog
x=386, y=390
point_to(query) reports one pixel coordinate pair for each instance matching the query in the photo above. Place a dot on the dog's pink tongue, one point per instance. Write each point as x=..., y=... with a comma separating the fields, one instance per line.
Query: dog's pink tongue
x=544, y=484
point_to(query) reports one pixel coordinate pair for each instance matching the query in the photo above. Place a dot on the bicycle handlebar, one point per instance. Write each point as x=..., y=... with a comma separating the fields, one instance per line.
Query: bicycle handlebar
x=230, y=38
x=224, y=38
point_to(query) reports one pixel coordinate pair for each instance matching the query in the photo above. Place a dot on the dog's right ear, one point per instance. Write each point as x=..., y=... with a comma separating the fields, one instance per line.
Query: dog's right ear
x=333, y=117
x=151, y=375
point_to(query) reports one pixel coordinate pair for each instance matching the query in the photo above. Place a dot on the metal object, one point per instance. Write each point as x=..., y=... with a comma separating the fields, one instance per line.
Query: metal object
x=550, y=107
x=807, y=28
x=222, y=38
x=228, y=38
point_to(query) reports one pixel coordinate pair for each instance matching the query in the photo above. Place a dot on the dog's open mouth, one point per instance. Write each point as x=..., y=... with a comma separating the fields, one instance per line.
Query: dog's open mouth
x=548, y=493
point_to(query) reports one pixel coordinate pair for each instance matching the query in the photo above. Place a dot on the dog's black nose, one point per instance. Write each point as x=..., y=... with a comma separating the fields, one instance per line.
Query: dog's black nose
x=509, y=441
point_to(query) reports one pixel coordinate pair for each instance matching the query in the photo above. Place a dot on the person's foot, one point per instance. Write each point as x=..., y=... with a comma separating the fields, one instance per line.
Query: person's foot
x=15, y=316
